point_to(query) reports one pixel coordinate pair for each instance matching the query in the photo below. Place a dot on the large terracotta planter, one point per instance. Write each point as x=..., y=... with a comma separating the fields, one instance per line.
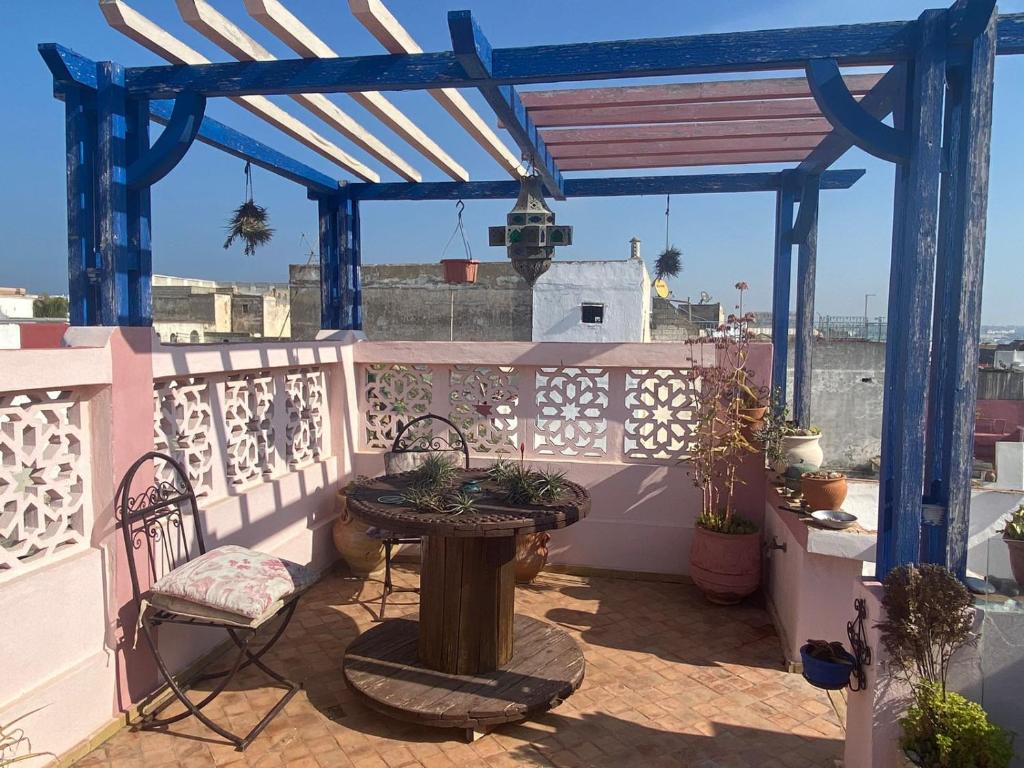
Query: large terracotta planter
x=1016, y=547
x=459, y=270
x=803, y=449
x=822, y=493
x=531, y=556
x=726, y=567
x=363, y=554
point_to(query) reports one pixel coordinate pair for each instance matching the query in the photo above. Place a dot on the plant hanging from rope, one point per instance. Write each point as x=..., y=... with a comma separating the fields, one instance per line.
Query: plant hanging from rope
x=249, y=223
x=669, y=262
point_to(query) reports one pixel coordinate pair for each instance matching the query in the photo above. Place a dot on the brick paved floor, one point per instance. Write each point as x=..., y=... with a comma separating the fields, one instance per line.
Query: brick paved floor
x=671, y=681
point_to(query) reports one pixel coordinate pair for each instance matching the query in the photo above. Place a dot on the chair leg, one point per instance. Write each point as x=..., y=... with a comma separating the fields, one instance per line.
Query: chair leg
x=388, y=544
x=253, y=658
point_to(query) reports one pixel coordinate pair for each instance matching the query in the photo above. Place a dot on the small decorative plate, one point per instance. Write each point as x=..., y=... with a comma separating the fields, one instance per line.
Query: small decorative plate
x=834, y=518
x=391, y=499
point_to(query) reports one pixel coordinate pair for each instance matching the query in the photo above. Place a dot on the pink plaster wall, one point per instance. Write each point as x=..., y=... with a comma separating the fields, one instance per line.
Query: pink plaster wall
x=1010, y=410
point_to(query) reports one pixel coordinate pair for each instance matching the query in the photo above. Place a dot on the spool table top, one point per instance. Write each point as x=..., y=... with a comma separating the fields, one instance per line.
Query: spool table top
x=377, y=503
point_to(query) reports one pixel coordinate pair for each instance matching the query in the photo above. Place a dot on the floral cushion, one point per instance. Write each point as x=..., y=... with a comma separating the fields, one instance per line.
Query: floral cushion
x=231, y=580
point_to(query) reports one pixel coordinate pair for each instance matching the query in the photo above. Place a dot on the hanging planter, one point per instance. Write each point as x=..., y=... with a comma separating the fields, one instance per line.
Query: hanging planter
x=827, y=665
x=250, y=222
x=459, y=271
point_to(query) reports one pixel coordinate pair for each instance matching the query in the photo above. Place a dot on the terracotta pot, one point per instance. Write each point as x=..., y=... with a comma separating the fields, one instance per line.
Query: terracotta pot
x=1016, y=547
x=726, y=567
x=803, y=449
x=459, y=270
x=753, y=422
x=820, y=493
x=531, y=556
x=362, y=554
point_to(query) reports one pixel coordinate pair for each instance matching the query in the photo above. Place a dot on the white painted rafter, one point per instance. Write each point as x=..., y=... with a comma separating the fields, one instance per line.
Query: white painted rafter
x=273, y=15
x=221, y=31
x=377, y=19
x=149, y=35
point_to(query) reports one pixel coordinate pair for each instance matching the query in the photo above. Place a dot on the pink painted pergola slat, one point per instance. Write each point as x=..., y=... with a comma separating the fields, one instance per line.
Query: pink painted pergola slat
x=677, y=161
x=747, y=145
x=802, y=126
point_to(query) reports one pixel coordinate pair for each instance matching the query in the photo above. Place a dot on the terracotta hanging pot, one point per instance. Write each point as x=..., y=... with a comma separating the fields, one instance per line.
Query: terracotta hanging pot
x=531, y=556
x=458, y=271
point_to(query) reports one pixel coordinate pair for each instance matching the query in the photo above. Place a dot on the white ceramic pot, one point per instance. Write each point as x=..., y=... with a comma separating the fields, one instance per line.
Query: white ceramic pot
x=803, y=449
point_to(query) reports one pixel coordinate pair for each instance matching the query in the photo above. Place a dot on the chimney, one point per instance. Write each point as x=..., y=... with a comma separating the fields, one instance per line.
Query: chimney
x=634, y=248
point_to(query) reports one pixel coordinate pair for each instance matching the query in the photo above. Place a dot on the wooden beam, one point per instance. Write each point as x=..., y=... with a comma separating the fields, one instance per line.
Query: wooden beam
x=691, y=184
x=805, y=235
x=782, y=279
x=137, y=27
x=911, y=284
x=956, y=323
x=218, y=29
x=168, y=150
x=680, y=161
x=669, y=94
x=379, y=21
x=563, y=152
x=280, y=22
x=473, y=51
x=805, y=126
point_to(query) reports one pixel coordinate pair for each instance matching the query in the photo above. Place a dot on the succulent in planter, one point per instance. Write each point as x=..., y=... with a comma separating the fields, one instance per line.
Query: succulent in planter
x=436, y=472
x=1013, y=535
x=827, y=665
x=823, y=489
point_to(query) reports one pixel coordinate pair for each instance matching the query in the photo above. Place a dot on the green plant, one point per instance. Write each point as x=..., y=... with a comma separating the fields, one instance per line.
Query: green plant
x=944, y=730
x=668, y=263
x=550, y=484
x=424, y=499
x=520, y=484
x=12, y=739
x=822, y=475
x=773, y=428
x=250, y=224
x=718, y=522
x=500, y=469
x=1014, y=528
x=437, y=472
x=50, y=306
x=459, y=503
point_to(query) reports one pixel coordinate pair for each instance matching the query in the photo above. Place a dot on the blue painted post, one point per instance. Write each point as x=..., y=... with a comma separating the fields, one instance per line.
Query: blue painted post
x=80, y=128
x=782, y=279
x=911, y=282
x=956, y=321
x=355, y=262
x=330, y=261
x=139, y=254
x=111, y=194
x=806, y=269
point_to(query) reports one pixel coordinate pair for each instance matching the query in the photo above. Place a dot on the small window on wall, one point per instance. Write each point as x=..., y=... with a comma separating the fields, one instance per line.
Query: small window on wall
x=592, y=313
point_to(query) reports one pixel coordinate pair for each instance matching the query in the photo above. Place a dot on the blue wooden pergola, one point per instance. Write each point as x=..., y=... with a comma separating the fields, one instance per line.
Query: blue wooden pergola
x=937, y=88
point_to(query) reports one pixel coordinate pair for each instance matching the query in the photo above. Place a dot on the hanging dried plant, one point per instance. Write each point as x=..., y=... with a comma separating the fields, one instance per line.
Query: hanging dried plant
x=249, y=223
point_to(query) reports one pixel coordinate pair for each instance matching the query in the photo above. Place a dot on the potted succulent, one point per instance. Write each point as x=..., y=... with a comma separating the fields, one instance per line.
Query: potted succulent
x=725, y=555
x=929, y=616
x=823, y=489
x=800, y=445
x=1013, y=535
x=827, y=665
x=363, y=554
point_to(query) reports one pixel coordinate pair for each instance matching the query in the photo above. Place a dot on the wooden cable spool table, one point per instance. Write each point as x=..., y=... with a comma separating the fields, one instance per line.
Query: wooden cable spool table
x=469, y=662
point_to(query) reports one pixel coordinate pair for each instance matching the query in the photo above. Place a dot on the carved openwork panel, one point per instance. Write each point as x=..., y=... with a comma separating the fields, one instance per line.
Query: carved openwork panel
x=305, y=394
x=183, y=424
x=484, y=405
x=394, y=394
x=572, y=406
x=42, y=484
x=248, y=417
x=660, y=421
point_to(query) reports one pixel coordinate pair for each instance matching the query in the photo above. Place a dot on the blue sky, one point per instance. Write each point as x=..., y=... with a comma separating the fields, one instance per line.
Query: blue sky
x=724, y=238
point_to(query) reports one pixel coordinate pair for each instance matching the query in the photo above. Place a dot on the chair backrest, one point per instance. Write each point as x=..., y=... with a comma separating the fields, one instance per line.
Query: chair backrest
x=153, y=517
x=412, y=441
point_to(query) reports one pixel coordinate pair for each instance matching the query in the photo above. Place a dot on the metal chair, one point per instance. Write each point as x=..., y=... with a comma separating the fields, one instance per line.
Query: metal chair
x=154, y=527
x=415, y=447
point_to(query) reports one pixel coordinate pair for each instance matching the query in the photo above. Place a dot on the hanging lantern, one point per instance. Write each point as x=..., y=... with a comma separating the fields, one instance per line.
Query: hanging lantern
x=531, y=234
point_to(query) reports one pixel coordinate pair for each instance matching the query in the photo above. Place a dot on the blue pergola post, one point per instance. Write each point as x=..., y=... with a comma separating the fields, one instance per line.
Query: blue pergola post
x=80, y=131
x=782, y=279
x=805, y=237
x=340, y=285
x=140, y=252
x=911, y=282
x=956, y=324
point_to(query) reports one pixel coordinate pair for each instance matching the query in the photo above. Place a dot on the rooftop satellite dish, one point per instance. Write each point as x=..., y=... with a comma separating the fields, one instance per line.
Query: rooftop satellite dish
x=705, y=297
x=661, y=288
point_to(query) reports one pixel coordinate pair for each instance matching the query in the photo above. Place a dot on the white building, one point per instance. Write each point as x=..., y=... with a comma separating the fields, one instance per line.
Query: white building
x=1010, y=355
x=16, y=303
x=600, y=301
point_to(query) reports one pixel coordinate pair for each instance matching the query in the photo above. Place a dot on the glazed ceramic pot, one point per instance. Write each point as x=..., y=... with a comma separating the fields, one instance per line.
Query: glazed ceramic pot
x=531, y=556
x=726, y=567
x=803, y=449
x=823, y=493
x=364, y=555
x=1016, y=547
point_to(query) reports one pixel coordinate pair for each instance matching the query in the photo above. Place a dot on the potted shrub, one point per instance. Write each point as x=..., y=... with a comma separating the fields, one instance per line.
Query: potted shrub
x=823, y=489
x=827, y=665
x=928, y=618
x=725, y=555
x=363, y=554
x=1013, y=535
x=771, y=432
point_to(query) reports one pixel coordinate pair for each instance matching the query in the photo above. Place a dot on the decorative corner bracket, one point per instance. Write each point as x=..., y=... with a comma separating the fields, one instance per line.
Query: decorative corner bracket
x=848, y=117
x=167, y=151
x=807, y=213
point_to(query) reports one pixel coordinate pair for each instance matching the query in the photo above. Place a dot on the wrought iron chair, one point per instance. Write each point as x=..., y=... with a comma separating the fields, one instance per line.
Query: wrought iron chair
x=232, y=588
x=407, y=451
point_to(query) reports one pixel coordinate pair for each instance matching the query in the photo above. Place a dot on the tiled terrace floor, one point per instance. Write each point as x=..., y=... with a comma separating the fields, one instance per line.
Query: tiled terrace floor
x=671, y=681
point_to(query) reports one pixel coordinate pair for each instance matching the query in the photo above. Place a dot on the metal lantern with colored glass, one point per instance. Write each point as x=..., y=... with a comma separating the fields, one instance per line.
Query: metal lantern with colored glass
x=531, y=234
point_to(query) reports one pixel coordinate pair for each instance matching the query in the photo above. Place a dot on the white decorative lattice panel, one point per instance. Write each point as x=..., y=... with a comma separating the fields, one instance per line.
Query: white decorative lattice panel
x=393, y=394
x=42, y=485
x=183, y=426
x=248, y=419
x=660, y=405
x=484, y=405
x=572, y=406
x=305, y=393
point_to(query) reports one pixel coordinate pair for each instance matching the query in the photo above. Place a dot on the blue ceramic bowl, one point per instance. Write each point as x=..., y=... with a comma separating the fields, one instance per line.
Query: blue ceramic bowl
x=829, y=675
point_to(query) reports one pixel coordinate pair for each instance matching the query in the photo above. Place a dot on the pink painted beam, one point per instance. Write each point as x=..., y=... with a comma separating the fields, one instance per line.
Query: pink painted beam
x=680, y=161
x=684, y=93
x=810, y=126
x=686, y=146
